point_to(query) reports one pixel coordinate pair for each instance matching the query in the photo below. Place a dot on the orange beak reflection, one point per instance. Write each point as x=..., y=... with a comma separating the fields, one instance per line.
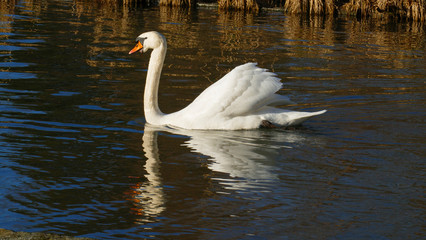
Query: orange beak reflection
x=136, y=48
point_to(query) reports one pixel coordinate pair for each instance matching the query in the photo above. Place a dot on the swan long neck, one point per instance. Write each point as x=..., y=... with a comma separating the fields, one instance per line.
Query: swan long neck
x=151, y=109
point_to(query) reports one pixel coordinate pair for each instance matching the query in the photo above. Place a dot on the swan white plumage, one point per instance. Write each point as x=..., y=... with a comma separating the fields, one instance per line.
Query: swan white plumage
x=243, y=99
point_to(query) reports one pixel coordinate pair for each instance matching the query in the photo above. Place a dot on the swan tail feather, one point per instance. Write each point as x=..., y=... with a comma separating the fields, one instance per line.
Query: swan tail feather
x=297, y=118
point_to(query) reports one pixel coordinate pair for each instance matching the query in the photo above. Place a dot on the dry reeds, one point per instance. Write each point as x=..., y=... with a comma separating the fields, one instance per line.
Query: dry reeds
x=178, y=3
x=401, y=9
x=312, y=7
x=126, y=3
x=410, y=9
x=360, y=8
x=245, y=5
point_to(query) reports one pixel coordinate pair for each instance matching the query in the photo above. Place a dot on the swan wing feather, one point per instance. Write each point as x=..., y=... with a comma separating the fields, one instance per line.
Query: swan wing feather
x=242, y=91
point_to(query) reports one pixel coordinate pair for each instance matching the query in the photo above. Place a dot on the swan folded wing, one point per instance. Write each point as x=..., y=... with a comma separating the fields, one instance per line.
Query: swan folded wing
x=277, y=100
x=242, y=91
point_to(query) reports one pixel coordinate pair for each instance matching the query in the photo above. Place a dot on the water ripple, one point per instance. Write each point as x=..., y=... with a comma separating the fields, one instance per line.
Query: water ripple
x=17, y=75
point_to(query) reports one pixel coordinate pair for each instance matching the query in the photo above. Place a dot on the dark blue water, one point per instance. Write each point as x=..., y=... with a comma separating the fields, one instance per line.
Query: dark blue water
x=77, y=158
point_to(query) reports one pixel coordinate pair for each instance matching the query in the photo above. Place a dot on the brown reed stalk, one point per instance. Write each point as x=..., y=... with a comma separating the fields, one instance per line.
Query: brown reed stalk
x=313, y=7
x=178, y=3
x=402, y=9
x=245, y=5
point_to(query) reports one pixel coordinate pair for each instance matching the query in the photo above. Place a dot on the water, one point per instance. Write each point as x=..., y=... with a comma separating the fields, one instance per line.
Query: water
x=77, y=158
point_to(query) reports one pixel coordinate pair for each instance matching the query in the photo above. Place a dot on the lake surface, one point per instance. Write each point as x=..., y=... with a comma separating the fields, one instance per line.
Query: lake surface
x=77, y=158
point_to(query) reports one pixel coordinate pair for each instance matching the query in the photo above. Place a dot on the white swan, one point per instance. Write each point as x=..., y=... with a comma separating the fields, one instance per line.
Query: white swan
x=243, y=99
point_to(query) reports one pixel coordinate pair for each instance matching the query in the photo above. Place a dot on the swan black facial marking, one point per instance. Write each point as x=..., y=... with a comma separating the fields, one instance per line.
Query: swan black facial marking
x=140, y=39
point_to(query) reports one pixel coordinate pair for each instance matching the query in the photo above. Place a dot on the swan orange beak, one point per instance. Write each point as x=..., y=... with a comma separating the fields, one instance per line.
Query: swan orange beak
x=136, y=48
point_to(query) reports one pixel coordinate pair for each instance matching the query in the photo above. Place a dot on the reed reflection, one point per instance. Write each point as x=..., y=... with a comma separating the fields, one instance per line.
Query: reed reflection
x=109, y=28
x=371, y=40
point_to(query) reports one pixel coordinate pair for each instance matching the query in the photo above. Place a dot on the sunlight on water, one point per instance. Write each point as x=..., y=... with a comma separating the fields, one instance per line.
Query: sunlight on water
x=78, y=159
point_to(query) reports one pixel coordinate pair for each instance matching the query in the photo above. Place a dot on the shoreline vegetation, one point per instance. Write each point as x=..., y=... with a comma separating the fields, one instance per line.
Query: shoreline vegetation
x=12, y=235
x=411, y=10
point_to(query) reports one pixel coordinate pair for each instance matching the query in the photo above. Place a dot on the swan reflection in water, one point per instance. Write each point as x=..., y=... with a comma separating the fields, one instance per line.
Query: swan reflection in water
x=149, y=195
x=247, y=157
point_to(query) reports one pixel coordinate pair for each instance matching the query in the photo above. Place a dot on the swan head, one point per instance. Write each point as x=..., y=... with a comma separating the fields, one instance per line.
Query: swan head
x=148, y=40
